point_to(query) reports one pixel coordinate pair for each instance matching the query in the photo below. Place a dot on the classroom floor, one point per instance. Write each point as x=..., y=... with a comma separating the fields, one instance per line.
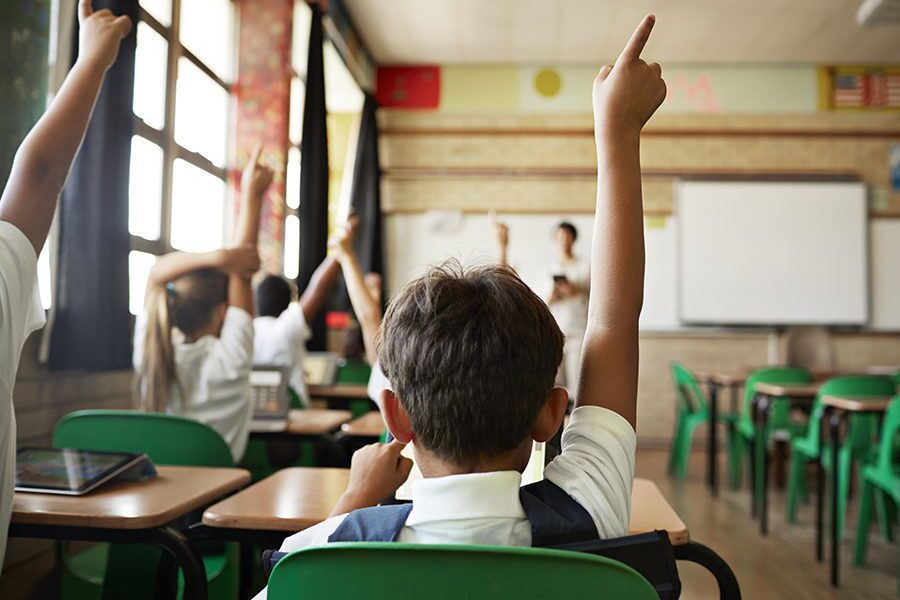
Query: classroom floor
x=781, y=565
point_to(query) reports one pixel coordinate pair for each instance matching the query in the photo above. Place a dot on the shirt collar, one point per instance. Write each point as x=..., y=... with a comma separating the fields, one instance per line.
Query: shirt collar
x=469, y=496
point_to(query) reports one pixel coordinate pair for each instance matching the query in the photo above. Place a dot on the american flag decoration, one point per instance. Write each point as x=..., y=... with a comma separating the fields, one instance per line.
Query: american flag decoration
x=866, y=88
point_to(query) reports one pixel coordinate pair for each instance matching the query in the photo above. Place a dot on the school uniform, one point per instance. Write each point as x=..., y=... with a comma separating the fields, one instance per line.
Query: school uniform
x=571, y=316
x=20, y=314
x=213, y=377
x=587, y=489
x=282, y=341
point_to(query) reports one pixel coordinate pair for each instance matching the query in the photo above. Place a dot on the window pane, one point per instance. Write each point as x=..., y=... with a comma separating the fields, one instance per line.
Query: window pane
x=201, y=113
x=207, y=30
x=161, y=10
x=342, y=93
x=291, y=247
x=44, y=278
x=150, y=76
x=145, y=188
x=139, y=265
x=292, y=183
x=300, y=42
x=198, y=201
x=298, y=100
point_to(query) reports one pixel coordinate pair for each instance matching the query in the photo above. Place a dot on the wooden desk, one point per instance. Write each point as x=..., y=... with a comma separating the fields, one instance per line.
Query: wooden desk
x=836, y=411
x=715, y=380
x=368, y=425
x=137, y=512
x=351, y=391
x=295, y=499
x=796, y=391
x=316, y=421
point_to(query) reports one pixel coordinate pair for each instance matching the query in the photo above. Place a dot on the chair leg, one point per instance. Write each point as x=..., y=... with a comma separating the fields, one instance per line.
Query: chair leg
x=684, y=451
x=863, y=522
x=735, y=458
x=845, y=467
x=675, y=445
x=795, y=481
x=883, y=506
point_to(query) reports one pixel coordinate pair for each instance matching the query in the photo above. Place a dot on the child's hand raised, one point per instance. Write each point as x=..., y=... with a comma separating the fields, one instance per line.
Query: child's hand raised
x=500, y=229
x=627, y=94
x=241, y=261
x=99, y=35
x=341, y=240
x=257, y=177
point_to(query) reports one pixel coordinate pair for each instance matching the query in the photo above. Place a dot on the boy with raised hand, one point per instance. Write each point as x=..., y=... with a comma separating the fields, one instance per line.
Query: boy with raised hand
x=27, y=206
x=472, y=356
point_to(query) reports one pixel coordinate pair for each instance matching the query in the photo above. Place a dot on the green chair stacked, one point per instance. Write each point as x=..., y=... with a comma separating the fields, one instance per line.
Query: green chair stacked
x=880, y=483
x=692, y=410
x=856, y=447
x=779, y=418
x=112, y=571
x=377, y=571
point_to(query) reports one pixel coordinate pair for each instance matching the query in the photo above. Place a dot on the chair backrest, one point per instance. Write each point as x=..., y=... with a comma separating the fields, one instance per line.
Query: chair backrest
x=167, y=439
x=845, y=385
x=449, y=572
x=775, y=375
x=890, y=431
x=809, y=347
x=687, y=391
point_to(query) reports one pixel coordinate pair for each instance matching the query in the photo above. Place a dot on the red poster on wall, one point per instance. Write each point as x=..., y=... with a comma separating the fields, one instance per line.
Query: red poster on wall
x=408, y=87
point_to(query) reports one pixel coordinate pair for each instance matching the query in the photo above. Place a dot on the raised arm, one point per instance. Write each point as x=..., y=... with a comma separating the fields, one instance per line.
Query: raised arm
x=625, y=96
x=320, y=285
x=43, y=160
x=254, y=182
x=501, y=237
x=366, y=306
x=243, y=262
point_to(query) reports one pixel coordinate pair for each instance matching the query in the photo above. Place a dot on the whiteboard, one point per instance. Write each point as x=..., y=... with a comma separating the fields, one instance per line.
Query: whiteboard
x=767, y=253
x=413, y=242
x=885, y=269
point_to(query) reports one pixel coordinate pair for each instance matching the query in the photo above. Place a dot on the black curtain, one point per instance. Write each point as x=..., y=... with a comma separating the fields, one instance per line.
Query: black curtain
x=92, y=325
x=313, y=211
x=365, y=194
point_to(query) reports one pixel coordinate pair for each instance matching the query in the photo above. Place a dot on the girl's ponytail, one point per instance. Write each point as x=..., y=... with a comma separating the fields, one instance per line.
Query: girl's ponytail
x=157, y=372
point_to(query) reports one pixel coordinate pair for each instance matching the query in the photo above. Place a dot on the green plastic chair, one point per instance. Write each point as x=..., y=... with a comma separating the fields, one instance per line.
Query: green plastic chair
x=106, y=570
x=377, y=571
x=857, y=444
x=779, y=418
x=880, y=483
x=692, y=410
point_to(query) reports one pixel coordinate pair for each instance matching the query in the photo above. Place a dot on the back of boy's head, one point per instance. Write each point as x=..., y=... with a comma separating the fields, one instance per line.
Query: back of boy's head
x=273, y=296
x=472, y=355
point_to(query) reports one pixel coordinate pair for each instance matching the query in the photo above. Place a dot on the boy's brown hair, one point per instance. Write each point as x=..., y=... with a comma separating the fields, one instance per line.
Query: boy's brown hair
x=472, y=355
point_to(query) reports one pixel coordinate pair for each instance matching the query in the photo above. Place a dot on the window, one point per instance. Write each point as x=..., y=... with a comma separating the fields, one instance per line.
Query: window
x=300, y=49
x=182, y=101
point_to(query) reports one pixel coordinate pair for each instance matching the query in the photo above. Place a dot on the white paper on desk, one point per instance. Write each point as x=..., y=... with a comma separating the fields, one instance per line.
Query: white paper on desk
x=533, y=472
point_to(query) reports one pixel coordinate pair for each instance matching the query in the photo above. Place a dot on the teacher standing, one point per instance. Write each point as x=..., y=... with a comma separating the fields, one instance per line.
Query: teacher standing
x=569, y=278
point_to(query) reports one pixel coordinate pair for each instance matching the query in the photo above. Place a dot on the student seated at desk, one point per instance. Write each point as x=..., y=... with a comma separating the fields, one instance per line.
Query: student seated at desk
x=281, y=327
x=472, y=356
x=193, y=344
x=27, y=205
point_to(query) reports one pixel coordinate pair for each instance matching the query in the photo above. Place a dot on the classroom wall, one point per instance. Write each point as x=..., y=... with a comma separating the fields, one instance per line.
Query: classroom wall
x=488, y=140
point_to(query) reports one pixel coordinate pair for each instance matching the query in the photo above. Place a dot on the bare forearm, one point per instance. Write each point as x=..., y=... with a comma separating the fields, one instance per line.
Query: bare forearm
x=247, y=232
x=367, y=308
x=320, y=284
x=171, y=266
x=43, y=160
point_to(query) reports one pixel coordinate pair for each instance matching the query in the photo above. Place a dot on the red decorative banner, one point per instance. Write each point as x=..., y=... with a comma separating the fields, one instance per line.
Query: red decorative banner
x=408, y=87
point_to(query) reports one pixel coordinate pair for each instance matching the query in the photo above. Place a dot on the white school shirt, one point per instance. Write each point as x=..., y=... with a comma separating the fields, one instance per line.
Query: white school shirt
x=571, y=313
x=20, y=314
x=596, y=468
x=282, y=341
x=214, y=373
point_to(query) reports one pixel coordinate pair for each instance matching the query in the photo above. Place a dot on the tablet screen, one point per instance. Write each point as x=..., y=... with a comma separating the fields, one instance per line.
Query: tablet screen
x=65, y=469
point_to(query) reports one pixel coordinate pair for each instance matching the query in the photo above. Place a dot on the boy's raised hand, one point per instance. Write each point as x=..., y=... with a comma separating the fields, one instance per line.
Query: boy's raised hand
x=99, y=35
x=257, y=177
x=240, y=261
x=627, y=94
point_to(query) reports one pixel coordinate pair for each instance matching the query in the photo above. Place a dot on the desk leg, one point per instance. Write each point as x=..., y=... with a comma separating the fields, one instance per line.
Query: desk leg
x=820, y=488
x=834, y=425
x=762, y=462
x=713, y=437
x=175, y=543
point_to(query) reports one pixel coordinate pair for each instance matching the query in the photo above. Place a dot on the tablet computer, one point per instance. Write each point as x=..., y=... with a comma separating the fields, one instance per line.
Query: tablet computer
x=68, y=471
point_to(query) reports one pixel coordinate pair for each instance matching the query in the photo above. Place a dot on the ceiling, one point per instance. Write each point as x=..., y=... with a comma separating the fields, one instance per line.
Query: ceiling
x=593, y=31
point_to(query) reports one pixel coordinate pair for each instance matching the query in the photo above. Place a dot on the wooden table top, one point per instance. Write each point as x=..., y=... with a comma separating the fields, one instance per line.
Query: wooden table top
x=131, y=505
x=355, y=390
x=316, y=421
x=295, y=499
x=368, y=425
x=858, y=403
x=721, y=377
x=802, y=391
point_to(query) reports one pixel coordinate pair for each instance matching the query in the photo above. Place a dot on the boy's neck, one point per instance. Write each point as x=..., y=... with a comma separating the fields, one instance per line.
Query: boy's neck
x=432, y=466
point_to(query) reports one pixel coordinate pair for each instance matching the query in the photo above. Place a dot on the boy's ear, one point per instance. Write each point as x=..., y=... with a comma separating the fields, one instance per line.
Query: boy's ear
x=395, y=417
x=551, y=416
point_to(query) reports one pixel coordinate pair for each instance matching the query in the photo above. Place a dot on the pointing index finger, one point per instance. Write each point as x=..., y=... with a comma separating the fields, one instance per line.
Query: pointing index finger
x=635, y=45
